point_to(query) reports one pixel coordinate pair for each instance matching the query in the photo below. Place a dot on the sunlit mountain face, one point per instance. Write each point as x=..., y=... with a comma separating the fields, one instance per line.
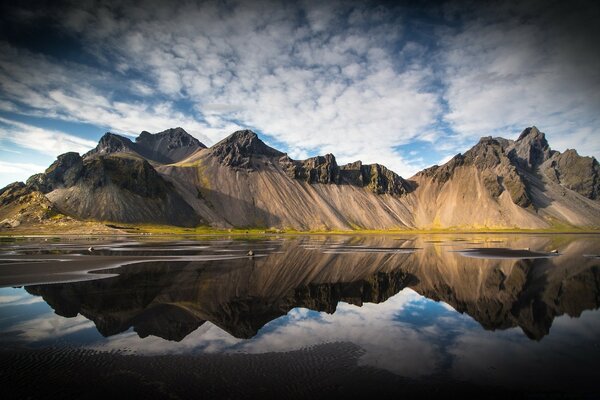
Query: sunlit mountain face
x=517, y=313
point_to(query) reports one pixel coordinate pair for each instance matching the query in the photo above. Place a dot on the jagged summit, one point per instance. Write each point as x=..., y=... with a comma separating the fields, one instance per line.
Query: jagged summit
x=241, y=148
x=531, y=149
x=166, y=147
x=112, y=143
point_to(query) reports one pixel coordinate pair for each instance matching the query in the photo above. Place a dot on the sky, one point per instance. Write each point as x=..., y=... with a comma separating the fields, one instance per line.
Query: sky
x=407, y=85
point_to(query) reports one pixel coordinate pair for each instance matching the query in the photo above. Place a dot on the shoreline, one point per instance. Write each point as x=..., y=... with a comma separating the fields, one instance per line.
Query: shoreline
x=138, y=231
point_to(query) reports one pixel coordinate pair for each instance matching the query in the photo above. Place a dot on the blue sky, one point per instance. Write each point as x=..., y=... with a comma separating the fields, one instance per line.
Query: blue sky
x=406, y=86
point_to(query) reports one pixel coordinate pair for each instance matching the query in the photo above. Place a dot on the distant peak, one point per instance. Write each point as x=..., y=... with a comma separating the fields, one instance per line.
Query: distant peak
x=242, y=135
x=237, y=149
x=111, y=143
x=171, y=138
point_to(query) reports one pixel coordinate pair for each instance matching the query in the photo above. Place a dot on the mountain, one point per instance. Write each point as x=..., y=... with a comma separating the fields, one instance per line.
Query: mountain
x=171, y=178
x=165, y=147
x=506, y=183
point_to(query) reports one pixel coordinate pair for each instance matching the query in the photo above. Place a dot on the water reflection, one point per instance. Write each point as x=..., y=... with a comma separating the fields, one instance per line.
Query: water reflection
x=240, y=294
x=413, y=306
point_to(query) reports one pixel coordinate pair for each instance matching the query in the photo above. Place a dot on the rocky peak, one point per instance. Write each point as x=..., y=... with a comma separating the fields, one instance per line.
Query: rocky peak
x=531, y=149
x=111, y=143
x=171, y=138
x=240, y=148
x=166, y=147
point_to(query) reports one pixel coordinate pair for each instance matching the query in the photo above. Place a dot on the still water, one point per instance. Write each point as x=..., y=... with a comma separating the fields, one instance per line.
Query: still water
x=309, y=316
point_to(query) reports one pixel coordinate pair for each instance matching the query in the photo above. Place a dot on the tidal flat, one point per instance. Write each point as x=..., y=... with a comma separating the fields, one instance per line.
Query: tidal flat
x=472, y=315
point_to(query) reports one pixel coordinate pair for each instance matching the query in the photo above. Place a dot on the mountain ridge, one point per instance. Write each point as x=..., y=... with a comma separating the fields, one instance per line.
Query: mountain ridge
x=170, y=178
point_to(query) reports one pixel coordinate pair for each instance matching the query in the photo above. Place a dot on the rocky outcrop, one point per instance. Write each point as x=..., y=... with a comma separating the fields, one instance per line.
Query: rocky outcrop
x=64, y=172
x=320, y=169
x=21, y=204
x=118, y=187
x=375, y=177
x=324, y=169
x=111, y=143
x=577, y=173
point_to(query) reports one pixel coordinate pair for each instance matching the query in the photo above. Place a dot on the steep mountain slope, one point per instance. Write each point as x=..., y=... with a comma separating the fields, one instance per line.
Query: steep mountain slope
x=113, y=183
x=505, y=183
x=240, y=181
x=171, y=178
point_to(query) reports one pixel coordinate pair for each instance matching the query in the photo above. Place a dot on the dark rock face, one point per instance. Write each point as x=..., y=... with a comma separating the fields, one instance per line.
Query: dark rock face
x=581, y=174
x=70, y=169
x=118, y=187
x=242, y=149
x=498, y=171
x=377, y=178
x=320, y=169
x=134, y=175
x=64, y=172
x=324, y=169
x=443, y=173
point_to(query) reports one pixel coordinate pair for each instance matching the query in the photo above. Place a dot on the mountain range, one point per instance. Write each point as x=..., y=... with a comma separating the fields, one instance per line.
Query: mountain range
x=171, y=178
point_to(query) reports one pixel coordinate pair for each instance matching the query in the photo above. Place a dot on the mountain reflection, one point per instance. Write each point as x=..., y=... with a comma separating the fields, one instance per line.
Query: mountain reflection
x=172, y=299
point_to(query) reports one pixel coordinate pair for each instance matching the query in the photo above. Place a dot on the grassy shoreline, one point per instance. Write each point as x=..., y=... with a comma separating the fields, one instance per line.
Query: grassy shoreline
x=166, y=230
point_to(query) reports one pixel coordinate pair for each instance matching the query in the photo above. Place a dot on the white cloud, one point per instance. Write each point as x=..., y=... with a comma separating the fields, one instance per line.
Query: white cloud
x=20, y=168
x=506, y=73
x=42, y=140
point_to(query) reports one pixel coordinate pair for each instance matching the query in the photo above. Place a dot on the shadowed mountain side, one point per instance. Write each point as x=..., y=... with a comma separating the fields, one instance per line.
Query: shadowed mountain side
x=118, y=187
x=171, y=300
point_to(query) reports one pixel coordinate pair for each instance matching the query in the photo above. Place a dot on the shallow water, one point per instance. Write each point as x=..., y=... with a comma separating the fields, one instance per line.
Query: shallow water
x=305, y=316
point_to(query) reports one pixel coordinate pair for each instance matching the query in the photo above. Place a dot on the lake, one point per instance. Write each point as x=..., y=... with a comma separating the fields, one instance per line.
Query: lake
x=481, y=315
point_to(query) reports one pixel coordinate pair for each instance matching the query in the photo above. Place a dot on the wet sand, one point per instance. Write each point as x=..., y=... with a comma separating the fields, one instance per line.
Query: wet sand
x=322, y=372
x=45, y=269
